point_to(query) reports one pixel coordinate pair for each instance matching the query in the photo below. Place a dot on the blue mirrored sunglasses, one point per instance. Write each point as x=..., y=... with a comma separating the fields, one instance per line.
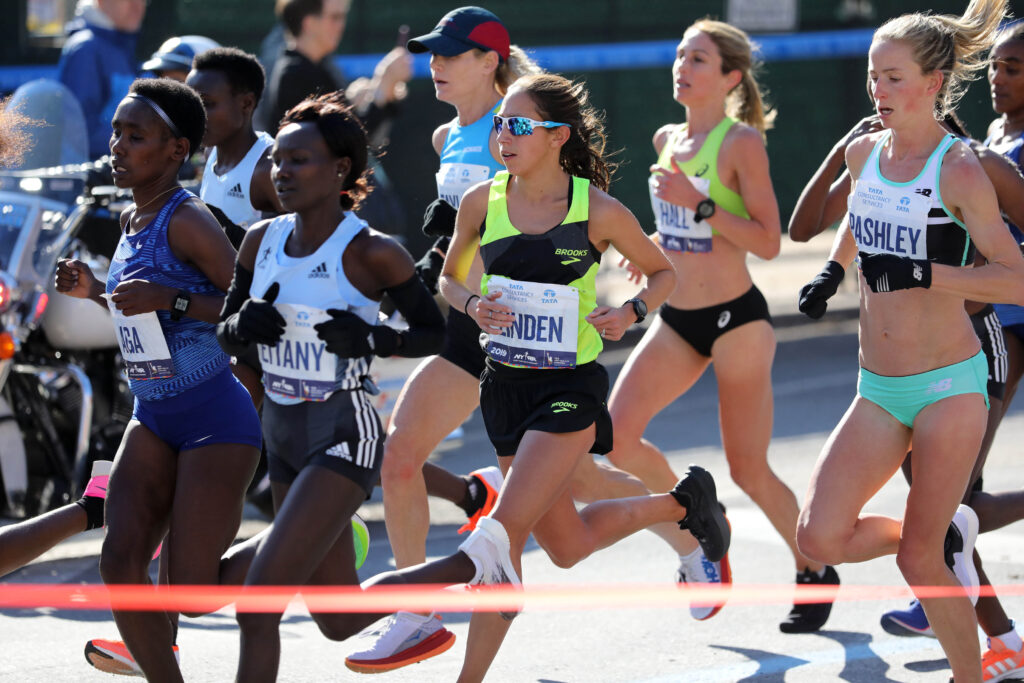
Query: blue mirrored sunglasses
x=520, y=125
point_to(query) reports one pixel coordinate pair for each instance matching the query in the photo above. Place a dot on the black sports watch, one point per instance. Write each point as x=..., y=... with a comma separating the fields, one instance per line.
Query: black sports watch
x=182, y=300
x=639, y=308
x=705, y=209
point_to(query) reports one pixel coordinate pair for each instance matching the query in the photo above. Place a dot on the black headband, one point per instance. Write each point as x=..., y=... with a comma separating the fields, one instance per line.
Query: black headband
x=159, y=112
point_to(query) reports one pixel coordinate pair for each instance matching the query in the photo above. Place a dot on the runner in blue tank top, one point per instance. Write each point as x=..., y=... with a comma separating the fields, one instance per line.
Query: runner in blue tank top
x=920, y=203
x=192, y=445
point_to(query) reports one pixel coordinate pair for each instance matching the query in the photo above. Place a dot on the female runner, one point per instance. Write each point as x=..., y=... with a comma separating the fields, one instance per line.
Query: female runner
x=192, y=445
x=920, y=203
x=307, y=290
x=714, y=203
x=542, y=393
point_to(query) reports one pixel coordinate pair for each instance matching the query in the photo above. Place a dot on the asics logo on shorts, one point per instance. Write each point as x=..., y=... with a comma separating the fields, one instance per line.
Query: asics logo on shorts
x=563, y=407
x=724, y=319
x=940, y=386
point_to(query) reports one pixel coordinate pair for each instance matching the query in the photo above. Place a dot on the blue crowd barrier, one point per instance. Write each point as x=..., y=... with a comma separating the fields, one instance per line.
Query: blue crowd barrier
x=590, y=57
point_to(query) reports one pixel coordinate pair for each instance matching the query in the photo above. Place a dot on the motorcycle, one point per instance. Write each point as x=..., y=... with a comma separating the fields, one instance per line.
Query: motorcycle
x=64, y=400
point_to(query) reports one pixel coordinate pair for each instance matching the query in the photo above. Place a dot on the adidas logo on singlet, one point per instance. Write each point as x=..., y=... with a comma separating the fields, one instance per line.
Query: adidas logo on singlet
x=236, y=191
x=319, y=271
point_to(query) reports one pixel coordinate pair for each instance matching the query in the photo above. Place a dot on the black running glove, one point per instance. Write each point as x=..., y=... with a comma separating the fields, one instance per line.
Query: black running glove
x=349, y=336
x=257, y=321
x=888, y=273
x=429, y=267
x=439, y=219
x=815, y=294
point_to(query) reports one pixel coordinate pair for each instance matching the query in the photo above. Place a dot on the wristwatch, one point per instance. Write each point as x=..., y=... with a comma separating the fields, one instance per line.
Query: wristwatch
x=705, y=209
x=639, y=308
x=182, y=300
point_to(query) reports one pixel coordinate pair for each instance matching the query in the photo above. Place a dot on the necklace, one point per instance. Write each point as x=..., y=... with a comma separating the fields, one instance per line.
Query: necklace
x=138, y=208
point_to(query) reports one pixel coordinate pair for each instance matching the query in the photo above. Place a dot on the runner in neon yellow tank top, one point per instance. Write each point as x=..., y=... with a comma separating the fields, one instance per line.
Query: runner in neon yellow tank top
x=550, y=416
x=713, y=204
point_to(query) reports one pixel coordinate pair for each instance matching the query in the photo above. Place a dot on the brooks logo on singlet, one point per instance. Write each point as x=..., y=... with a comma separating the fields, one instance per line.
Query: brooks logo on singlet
x=562, y=407
x=575, y=253
x=236, y=191
x=319, y=271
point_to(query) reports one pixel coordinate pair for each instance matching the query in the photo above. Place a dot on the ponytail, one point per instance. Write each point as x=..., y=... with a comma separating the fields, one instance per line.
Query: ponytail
x=953, y=46
x=746, y=101
x=515, y=67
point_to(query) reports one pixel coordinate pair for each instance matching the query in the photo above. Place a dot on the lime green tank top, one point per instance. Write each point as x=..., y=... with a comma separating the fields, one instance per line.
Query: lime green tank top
x=677, y=229
x=563, y=256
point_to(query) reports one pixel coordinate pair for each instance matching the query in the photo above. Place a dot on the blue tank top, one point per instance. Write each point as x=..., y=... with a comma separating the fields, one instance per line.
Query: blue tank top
x=466, y=158
x=147, y=255
x=1008, y=313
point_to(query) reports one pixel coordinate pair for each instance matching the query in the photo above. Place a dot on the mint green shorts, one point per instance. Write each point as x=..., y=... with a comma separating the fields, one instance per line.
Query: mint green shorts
x=905, y=397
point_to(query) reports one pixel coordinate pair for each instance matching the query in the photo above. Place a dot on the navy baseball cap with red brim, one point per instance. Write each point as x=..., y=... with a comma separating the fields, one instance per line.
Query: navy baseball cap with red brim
x=463, y=29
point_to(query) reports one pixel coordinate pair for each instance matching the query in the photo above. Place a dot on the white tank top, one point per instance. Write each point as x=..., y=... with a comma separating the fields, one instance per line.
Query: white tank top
x=299, y=368
x=230, y=192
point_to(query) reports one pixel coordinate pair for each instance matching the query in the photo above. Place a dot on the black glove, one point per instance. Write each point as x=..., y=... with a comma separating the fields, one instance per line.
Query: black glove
x=815, y=294
x=429, y=267
x=349, y=336
x=888, y=273
x=257, y=321
x=439, y=219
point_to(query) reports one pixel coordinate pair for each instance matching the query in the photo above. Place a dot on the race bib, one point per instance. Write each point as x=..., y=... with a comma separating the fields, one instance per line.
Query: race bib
x=454, y=179
x=143, y=345
x=889, y=220
x=677, y=228
x=299, y=366
x=544, y=334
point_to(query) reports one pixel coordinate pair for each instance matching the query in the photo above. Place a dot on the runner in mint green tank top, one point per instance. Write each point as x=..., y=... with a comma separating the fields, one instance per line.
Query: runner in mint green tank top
x=716, y=315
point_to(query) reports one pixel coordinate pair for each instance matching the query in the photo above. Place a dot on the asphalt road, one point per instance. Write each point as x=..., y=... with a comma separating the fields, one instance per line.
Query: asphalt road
x=815, y=377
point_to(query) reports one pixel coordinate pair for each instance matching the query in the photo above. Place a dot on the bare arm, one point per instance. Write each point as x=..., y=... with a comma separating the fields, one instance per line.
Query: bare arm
x=472, y=212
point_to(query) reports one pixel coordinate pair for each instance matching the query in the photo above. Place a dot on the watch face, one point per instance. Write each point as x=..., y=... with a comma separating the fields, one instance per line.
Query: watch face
x=181, y=304
x=641, y=307
x=705, y=208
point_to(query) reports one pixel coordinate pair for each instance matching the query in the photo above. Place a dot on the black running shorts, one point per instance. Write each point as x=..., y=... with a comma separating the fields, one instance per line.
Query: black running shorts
x=514, y=401
x=343, y=434
x=462, y=343
x=702, y=326
x=990, y=332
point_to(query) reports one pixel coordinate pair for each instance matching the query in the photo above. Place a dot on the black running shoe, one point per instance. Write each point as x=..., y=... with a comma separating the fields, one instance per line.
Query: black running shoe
x=809, y=617
x=704, y=516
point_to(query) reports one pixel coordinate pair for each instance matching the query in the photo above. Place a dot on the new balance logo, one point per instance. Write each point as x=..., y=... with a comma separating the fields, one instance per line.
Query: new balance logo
x=320, y=271
x=926, y=191
x=562, y=407
x=940, y=386
x=918, y=272
x=340, y=450
x=236, y=191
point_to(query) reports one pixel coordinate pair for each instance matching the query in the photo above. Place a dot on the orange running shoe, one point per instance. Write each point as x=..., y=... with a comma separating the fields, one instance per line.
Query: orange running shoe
x=491, y=479
x=1000, y=662
x=112, y=657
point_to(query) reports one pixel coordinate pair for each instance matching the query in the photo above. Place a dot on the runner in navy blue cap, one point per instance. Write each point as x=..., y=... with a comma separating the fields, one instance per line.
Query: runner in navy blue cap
x=464, y=28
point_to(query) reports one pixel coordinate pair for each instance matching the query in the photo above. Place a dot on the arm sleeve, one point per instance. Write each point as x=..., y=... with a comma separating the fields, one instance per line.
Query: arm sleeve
x=237, y=294
x=425, y=335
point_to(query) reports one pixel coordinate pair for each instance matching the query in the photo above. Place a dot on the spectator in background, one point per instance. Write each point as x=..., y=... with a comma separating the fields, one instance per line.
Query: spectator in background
x=313, y=29
x=98, y=61
x=174, y=58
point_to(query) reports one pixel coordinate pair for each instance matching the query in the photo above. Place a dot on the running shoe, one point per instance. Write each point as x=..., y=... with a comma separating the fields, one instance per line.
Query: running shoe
x=402, y=639
x=490, y=479
x=360, y=539
x=112, y=657
x=696, y=568
x=810, y=617
x=1000, y=663
x=488, y=548
x=911, y=621
x=97, y=486
x=704, y=516
x=959, y=550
